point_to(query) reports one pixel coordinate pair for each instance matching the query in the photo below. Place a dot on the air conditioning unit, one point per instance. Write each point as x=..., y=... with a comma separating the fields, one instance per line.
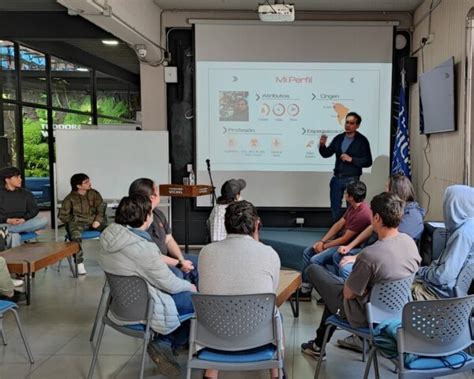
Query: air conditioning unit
x=276, y=12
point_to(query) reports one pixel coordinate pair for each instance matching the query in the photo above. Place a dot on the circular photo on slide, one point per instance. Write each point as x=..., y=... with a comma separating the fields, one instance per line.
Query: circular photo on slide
x=233, y=106
x=264, y=110
x=293, y=110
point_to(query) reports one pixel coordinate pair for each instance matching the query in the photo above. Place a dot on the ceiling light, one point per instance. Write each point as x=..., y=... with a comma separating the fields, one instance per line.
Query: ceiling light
x=82, y=69
x=110, y=42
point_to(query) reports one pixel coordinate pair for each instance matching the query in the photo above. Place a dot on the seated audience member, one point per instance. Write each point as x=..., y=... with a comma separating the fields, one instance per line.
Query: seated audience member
x=183, y=265
x=18, y=209
x=439, y=278
x=239, y=264
x=354, y=221
x=230, y=192
x=82, y=209
x=377, y=263
x=7, y=284
x=411, y=224
x=128, y=250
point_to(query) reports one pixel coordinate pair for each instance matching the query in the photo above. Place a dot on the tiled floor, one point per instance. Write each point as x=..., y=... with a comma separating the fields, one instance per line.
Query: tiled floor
x=59, y=321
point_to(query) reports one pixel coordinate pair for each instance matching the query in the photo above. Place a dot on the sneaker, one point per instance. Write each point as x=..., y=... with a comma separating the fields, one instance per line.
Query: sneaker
x=166, y=365
x=351, y=342
x=81, y=270
x=17, y=282
x=310, y=348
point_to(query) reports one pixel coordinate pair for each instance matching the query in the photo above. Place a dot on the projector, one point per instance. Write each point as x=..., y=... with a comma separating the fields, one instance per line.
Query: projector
x=276, y=12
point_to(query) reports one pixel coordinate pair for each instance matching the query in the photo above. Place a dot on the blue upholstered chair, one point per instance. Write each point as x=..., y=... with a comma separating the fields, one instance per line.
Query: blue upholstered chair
x=6, y=306
x=386, y=302
x=238, y=332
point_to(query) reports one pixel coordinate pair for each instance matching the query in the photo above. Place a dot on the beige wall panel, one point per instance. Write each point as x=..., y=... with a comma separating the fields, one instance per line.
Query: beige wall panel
x=447, y=151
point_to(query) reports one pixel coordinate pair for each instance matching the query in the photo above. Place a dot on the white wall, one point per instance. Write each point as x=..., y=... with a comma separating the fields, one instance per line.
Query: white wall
x=447, y=152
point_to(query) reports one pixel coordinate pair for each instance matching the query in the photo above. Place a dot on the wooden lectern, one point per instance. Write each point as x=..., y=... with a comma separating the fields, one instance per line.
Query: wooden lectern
x=187, y=192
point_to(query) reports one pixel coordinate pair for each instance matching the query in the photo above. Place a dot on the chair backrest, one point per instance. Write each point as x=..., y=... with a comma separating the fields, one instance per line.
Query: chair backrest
x=129, y=298
x=234, y=322
x=387, y=300
x=436, y=327
x=464, y=280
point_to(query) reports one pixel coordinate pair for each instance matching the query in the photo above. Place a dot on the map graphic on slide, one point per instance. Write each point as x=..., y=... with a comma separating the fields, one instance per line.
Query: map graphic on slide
x=269, y=116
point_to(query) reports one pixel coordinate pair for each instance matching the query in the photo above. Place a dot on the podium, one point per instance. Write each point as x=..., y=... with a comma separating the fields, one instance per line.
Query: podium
x=187, y=192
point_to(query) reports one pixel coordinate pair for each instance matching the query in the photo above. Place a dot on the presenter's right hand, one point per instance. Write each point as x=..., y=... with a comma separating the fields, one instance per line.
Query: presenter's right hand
x=343, y=250
x=187, y=266
x=323, y=139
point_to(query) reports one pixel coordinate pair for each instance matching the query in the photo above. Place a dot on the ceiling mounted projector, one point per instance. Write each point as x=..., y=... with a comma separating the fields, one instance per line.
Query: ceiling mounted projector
x=276, y=12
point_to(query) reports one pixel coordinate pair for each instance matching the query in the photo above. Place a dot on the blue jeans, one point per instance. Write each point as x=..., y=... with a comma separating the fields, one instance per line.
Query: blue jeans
x=31, y=225
x=180, y=336
x=324, y=258
x=192, y=276
x=337, y=186
x=345, y=270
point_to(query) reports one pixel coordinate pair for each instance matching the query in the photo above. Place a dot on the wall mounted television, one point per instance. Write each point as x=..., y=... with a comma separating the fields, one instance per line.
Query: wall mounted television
x=437, y=99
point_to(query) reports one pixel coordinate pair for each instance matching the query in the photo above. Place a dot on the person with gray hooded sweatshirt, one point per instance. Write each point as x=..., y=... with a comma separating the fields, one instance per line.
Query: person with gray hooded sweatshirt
x=128, y=250
x=439, y=278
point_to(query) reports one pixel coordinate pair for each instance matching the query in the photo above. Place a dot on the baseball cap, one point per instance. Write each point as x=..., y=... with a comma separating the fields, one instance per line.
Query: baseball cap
x=232, y=187
x=8, y=172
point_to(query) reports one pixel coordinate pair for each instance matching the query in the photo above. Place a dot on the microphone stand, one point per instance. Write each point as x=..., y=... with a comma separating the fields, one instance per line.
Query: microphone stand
x=208, y=162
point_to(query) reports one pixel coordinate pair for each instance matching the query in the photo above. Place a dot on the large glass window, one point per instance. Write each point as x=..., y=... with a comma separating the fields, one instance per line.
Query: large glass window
x=71, y=85
x=116, y=98
x=7, y=73
x=33, y=76
x=35, y=142
x=9, y=126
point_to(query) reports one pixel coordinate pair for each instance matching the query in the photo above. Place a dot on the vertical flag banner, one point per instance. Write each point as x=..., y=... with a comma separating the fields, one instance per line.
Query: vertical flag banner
x=401, y=161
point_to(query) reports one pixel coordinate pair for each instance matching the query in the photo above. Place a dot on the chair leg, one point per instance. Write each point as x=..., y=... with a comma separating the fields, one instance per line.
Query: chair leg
x=2, y=331
x=369, y=363
x=96, y=351
x=59, y=265
x=146, y=339
x=23, y=336
x=376, y=365
x=364, y=347
x=72, y=267
x=323, y=350
x=97, y=315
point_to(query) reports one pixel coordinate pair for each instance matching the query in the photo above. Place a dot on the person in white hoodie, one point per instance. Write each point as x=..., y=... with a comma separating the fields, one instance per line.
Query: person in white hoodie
x=129, y=250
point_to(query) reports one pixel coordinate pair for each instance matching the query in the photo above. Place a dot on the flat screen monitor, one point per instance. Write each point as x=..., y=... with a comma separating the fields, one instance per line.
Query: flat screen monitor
x=437, y=102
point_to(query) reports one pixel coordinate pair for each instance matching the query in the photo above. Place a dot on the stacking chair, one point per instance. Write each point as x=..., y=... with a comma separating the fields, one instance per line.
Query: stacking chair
x=235, y=332
x=85, y=235
x=128, y=300
x=437, y=331
x=386, y=302
x=6, y=306
x=464, y=280
x=99, y=309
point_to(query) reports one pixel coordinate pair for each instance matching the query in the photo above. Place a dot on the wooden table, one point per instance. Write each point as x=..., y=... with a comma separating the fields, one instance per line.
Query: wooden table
x=290, y=282
x=28, y=258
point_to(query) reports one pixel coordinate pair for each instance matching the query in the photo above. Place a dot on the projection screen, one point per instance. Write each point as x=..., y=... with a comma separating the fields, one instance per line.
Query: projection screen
x=266, y=92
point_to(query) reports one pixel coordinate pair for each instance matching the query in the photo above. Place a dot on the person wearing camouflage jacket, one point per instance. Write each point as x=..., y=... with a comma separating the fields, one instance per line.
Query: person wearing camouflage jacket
x=82, y=209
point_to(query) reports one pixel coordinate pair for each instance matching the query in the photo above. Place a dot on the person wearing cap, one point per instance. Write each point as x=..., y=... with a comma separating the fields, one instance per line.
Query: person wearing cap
x=18, y=208
x=230, y=192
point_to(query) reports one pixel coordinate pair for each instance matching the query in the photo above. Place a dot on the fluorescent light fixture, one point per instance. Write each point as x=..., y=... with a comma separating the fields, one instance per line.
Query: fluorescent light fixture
x=82, y=69
x=110, y=42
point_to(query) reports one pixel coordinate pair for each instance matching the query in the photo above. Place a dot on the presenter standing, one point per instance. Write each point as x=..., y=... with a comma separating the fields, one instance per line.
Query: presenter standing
x=352, y=151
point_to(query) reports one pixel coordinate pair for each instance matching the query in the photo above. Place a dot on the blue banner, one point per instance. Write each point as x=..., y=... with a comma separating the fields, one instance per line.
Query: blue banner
x=401, y=161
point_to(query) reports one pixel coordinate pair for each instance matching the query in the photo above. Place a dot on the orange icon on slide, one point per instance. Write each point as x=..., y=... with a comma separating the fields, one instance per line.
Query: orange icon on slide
x=341, y=112
x=254, y=143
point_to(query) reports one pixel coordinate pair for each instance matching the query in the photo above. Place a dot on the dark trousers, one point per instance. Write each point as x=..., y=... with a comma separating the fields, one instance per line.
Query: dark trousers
x=180, y=336
x=192, y=276
x=330, y=287
x=337, y=187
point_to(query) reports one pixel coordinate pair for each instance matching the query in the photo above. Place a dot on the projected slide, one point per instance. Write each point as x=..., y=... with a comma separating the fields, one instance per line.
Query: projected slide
x=260, y=116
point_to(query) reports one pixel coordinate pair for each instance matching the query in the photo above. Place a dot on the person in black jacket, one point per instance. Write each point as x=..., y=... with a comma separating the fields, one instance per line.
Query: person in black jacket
x=352, y=151
x=18, y=209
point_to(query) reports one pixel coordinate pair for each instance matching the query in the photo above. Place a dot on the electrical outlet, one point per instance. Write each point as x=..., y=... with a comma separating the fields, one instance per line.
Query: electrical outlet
x=299, y=221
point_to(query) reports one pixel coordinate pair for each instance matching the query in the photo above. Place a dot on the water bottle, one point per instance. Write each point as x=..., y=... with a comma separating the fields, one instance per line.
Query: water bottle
x=192, y=178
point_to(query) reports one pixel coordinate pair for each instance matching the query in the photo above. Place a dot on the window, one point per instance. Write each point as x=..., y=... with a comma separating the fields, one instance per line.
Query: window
x=8, y=70
x=33, y=76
